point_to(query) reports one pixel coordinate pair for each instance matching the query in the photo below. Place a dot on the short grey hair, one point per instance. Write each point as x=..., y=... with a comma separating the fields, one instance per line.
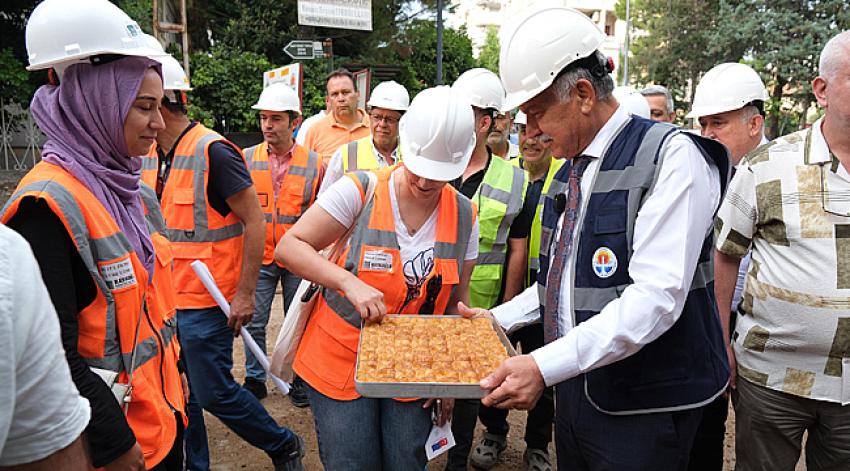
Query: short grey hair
x=564, y=84
x=660, y=90
x=833, y=55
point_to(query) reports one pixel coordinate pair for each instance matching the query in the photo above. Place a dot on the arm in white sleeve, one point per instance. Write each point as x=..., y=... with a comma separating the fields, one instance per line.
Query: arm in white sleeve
x=522, y=310
x=669, y=232
x=333, y=172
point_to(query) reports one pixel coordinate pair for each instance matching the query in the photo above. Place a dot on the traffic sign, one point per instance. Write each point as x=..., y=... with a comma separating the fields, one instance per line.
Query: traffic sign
x=301, y=50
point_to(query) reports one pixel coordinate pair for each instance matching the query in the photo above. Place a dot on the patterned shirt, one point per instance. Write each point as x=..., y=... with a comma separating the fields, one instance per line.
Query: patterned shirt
x=790, y=202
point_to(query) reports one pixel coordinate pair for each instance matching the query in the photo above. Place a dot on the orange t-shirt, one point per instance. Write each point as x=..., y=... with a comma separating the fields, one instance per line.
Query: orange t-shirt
x=326, y=136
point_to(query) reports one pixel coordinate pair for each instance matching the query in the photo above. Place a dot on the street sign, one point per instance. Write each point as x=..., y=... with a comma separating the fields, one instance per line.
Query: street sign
x=304, y=50
x=345, y=14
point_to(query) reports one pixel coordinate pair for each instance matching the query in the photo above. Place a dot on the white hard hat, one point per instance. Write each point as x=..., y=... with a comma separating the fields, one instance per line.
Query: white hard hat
x=390, y=95
x=632, y=101
x=727, y=87
x=520, y=118
x=437, y=134
x=173, y=75
x=60, y=33
x=481, y=88
x=278, y=97
x=536, y=47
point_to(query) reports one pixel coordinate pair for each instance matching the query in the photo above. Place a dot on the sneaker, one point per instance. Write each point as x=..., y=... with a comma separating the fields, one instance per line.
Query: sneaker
x=290, y=458
x=486, y=454
x=536, y=460
x=298, y=394
x=256, y=387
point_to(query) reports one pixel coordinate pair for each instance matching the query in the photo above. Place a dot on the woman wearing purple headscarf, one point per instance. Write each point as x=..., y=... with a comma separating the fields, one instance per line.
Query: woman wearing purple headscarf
x=94, y=230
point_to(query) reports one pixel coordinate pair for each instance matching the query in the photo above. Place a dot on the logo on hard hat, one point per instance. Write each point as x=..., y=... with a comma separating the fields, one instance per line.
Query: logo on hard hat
x=604, y=262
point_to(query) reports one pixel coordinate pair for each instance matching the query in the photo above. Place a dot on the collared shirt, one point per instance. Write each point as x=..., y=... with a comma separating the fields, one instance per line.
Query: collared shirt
x=335, y=172
x=326, y=135
x=279, y=165
x=668, y=236
x=787, y=205
x=301, y=134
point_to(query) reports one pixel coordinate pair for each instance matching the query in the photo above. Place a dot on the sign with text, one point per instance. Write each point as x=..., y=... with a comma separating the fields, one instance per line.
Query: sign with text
x=304, y=50
x=345, y=14
x=291, y=75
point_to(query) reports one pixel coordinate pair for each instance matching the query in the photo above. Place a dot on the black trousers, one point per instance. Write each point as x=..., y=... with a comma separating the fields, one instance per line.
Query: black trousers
x=707, y=452
x=173, y=461
x=538, y=426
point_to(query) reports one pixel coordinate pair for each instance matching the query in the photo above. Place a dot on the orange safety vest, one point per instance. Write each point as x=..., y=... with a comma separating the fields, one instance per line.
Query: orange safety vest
x=297, y=190
x=107, y=326
x=327, y=353
x=195, y=229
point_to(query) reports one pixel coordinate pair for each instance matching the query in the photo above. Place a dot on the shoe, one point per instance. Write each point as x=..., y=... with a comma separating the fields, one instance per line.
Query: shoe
x=486, y=454
x=256, y=387
x=290, y=458
x=298, y=394
x=535, y=459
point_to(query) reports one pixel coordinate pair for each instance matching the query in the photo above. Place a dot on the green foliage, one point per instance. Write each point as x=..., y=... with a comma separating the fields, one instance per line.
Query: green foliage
x=14, y=79
x=139, y=10
x=226, y=82
x=419, y=67
x=489, y=56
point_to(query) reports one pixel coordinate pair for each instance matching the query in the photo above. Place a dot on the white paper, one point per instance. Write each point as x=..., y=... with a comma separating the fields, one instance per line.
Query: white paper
x=440, y=440
x=207, y=279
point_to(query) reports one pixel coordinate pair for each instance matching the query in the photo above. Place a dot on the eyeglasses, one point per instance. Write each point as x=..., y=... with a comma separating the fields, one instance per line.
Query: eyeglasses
x=840, y=197
x=387, y=119
x=432, y=290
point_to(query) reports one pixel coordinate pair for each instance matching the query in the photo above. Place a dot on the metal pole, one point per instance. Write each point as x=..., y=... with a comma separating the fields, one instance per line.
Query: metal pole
x=439, y=80
x=185, y=37
x=626, y=52
x=329, y=53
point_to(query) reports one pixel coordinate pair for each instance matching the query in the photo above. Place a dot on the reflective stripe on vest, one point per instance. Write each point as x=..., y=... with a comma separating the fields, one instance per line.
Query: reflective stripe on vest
x=359, y=155
x=499, y=198
x=281, y=211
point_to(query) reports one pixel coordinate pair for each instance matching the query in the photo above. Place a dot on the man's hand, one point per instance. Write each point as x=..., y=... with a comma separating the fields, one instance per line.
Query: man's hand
x=470, y=312
x=516, y=384
x=447, y=406
x=733, y=367
x=132, y=460
x=241, y=312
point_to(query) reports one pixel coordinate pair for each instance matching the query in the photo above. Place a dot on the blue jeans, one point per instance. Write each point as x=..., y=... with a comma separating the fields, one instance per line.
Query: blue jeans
x=370, y=434
x=270, y=275
x=207, y=344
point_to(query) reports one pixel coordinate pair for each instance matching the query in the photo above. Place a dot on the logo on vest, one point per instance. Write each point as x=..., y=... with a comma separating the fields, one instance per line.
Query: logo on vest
x=604, y=262
x=377, y=260
x=119, y=274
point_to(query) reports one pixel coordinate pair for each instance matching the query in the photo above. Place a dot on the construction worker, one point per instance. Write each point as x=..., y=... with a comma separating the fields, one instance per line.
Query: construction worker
x=540, y=167
x=286, y=177
x=212, y=214
x=424, y=235
x=387, y=105
x=498, y=189
x=632, y=336
x=344, y=122
x=499, y=138
x=95, y=231
x=660, y=101
x=729, y=105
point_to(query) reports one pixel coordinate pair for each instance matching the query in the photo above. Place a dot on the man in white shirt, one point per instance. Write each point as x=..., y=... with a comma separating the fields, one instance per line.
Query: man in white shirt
x=634, y=344
x=729, y=105
x=42, y=416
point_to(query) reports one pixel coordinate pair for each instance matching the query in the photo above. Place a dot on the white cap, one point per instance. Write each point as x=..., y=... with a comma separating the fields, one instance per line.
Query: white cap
x=481, y=88
x=536, y=47
x=520, y=118
x=173, y=75
x=632, y=101
x=60, y=33
x=437, y=135
x=278, y=97
x=390, y=95
x=727, y=87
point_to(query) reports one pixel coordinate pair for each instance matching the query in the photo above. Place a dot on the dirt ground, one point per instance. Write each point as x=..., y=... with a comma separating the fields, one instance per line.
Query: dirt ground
x=228, y=452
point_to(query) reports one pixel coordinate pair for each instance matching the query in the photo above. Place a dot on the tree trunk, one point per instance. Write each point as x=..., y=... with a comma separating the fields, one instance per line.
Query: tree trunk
x=773, y=118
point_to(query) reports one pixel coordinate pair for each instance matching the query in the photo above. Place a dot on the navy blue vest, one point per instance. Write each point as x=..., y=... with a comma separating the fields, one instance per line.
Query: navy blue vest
x=685, y=367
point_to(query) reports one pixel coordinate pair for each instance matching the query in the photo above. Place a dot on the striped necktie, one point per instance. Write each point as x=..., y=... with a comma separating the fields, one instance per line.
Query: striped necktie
x=559, y=255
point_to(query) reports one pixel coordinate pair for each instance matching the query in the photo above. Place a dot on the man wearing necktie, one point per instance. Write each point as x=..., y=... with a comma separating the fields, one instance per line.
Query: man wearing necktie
x=634, y=345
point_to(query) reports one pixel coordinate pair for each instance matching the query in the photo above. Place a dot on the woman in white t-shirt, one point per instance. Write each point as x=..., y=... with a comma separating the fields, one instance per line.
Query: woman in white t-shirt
x=412, y=248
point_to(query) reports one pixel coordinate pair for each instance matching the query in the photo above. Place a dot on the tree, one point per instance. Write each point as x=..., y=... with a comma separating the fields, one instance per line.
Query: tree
x=226, y=83
x=489, y=55
x=419, y=66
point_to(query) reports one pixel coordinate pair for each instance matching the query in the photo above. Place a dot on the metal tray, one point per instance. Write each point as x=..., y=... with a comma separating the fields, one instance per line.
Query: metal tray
x=425, y=390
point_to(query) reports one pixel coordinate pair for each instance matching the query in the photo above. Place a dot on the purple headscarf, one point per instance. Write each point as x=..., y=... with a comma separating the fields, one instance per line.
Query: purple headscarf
x=83, y=119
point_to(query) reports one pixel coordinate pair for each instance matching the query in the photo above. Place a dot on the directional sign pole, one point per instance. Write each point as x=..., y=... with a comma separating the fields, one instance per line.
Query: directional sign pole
x=303, y=50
